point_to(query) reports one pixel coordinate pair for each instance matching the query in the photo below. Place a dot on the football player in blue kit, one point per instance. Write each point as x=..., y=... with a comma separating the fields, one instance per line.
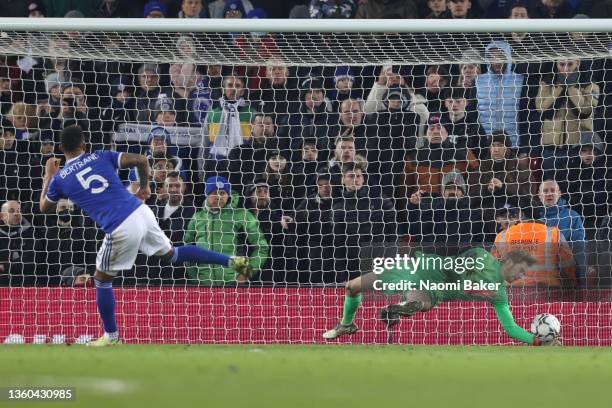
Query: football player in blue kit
x=91, y=182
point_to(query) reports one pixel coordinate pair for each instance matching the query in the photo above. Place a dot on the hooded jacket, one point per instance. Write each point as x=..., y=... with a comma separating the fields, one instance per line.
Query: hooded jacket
x=498, y=96
x=568, y=221
x=218, y=231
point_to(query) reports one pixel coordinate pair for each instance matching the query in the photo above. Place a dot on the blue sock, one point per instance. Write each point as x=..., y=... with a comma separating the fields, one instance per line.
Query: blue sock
x=105, y=299
x=195, y=254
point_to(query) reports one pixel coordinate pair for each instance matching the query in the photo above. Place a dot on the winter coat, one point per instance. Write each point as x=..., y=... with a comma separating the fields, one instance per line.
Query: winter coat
x=566, y=111
x=568, y=221
x=17, y=266
x=425, y=168
x=498, y=96
x=219, y=232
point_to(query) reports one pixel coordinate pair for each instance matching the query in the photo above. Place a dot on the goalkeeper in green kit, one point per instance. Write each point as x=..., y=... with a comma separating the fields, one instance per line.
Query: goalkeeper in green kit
x=434, y=279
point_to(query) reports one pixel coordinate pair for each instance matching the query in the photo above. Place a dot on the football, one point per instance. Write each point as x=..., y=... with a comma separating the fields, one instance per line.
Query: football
x=546, y=328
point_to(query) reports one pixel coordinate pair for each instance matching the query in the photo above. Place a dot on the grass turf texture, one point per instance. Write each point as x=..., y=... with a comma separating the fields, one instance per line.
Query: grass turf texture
x=251, y=376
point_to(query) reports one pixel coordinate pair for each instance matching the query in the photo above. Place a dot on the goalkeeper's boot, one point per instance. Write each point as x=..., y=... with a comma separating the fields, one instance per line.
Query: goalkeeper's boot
x=104, y=341
x=405, y=309
x=339, y=330
x=240, y=264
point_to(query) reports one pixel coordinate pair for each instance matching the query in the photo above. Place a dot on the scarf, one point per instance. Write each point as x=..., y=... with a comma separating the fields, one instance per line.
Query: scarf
x=230, y=134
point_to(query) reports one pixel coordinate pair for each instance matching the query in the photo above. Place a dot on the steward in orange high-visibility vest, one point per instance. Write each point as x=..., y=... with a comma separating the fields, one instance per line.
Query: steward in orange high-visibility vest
x=555, y=261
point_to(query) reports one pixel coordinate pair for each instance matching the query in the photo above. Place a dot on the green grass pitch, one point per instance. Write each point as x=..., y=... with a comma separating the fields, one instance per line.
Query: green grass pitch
x=249, y=376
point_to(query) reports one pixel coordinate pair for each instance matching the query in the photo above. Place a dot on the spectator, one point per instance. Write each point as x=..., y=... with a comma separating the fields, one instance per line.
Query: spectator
x=24, y=119
x=435, y=8
x=53, y=86
x=155, y=9
x=314, y=229
x=468, y=72
x=459, y=9
x=353, y=121
x=13, y=166
x=173, y=214
x=6, y=93
x=436, y=80
x=343, y=86
x=391, y=76
x=313, y=120
x=147, y=92
x=463, y=127
x=499, y=92
x=116, y=9
x=553, y=9
x=255, y=45
x=567, y=108
x=387, y=9
x=555, y=266
x=234, y=9
x=216, y=227
x=361, y=216
x=16, y=247
x=554, y=213
x=184, y=97
x=64, y=240
x=498, y=182
x=518, y=11
x=229, y=124
x=332, y=8
x=434, y=158
x=305, y=171
x=505, y=217
x=585, y=177
x=122, y=108
x=217, y=7
x=276, y=228
x=390, y=135
x=446, y=217
x=248, y=160
x=160, y=147
x=193, y=9
x=278, y=177
x=344, y=152
x=279, y=91
x=36, y=9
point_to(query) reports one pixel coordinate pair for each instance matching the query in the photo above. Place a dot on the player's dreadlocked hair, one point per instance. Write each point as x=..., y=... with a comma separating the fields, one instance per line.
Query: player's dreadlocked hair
x=72, y=138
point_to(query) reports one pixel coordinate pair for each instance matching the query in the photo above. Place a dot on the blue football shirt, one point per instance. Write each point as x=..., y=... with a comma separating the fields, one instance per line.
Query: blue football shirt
x=91, y=182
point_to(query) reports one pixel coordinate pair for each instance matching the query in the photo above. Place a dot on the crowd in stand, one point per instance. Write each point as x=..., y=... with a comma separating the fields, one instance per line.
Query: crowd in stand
x=299, y=167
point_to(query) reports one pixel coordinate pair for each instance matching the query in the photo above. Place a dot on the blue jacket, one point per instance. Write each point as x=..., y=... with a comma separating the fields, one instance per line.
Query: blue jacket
x=568, y=221
x=498, y=96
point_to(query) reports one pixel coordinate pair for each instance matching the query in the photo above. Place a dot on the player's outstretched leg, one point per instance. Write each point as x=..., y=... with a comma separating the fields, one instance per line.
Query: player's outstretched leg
x=195, y=254
x=105, y=299
x=352, y=300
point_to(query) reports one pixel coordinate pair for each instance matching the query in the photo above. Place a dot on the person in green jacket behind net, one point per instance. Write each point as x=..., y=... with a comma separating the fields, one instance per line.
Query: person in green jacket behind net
x=217, y=227
x=425, y=280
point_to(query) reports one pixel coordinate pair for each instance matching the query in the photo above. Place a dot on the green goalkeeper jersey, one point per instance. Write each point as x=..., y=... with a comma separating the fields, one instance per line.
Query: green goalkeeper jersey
x=473, y=275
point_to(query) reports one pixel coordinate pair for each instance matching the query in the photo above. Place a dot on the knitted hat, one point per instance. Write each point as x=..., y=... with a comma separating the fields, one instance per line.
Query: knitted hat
x=159, y=132
x=154, y=6
x=343, y=72
x=455, y=178
x=217, y=183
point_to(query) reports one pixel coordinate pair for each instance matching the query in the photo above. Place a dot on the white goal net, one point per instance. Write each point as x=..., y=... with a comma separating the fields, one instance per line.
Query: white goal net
x=328, y=143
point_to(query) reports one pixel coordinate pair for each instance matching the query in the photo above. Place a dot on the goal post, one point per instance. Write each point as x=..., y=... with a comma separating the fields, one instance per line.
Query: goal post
x=341, y=140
